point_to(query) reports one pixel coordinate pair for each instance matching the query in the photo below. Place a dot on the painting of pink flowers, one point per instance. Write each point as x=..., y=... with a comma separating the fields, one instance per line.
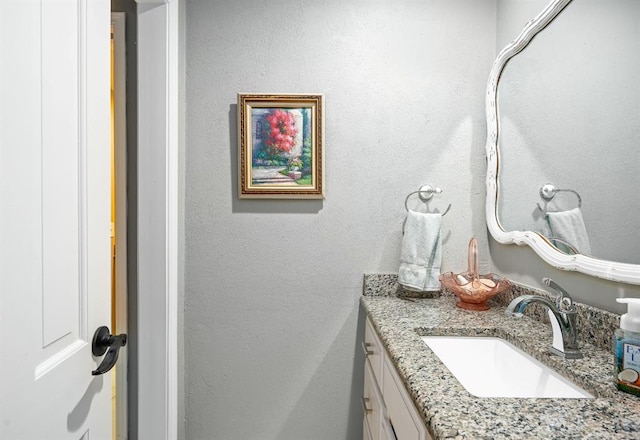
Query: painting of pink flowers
x=280, y=141
x=279, y=130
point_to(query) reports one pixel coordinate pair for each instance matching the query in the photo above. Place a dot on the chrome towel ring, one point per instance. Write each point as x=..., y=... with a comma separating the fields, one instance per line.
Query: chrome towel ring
x=549, y=191
x=425, y=193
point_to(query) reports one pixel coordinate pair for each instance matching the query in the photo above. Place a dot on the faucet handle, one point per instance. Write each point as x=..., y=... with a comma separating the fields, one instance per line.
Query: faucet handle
x=564, y=302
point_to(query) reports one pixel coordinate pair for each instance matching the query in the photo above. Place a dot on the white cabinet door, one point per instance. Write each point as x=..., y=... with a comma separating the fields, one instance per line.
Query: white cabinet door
x=372, y=402
x=54, y=210
x=387, y=432
x=366, y=435
x=400, y=412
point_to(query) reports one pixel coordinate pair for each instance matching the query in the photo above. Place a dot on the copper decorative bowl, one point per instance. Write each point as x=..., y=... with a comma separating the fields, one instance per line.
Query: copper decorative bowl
x=473, y=292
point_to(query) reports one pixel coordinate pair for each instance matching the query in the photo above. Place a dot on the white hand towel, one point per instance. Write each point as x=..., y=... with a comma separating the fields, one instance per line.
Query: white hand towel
x=569, y=226
x=421, y=252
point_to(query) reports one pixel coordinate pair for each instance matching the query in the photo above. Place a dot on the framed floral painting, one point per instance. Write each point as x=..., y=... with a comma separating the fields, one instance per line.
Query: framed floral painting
x=280, y=143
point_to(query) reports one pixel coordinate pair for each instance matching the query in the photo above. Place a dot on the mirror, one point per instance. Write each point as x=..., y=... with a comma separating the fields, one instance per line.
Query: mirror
x=566, y=112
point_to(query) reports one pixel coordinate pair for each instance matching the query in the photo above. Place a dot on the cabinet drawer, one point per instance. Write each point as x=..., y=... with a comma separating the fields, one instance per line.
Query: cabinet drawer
x=372, y=404
x=401, y=413
x=373, y=350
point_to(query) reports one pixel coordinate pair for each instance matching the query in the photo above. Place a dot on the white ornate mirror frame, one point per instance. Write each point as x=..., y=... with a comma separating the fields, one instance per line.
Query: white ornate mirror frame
x=621, y=272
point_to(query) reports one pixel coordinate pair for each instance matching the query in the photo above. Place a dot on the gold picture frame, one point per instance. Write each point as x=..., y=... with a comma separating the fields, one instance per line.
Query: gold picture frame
x=280, y=146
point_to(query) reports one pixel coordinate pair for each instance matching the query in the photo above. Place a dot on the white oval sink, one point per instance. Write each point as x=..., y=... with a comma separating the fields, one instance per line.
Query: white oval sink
x=493, y=367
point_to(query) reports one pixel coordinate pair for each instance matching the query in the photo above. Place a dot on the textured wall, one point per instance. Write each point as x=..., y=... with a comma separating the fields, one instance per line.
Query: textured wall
x=272, y=287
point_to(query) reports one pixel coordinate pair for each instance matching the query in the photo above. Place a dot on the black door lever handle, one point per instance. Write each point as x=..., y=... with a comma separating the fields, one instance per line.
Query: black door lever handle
x=103, y=340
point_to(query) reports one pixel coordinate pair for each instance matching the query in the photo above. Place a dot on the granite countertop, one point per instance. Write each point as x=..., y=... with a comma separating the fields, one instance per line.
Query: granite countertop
x=450, y=411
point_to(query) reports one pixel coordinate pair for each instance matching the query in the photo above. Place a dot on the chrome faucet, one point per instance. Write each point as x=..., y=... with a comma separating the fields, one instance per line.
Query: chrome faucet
x=562, y=315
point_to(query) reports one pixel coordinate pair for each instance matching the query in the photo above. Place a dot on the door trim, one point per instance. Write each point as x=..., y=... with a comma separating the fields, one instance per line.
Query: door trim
x=118, y=20
x=159, y=145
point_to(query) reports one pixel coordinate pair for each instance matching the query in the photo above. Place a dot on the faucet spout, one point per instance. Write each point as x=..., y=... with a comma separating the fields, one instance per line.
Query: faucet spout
x=562, y=315
x=517, y=306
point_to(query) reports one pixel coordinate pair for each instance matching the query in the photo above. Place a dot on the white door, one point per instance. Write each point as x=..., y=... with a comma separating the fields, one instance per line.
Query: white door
x=54, y=214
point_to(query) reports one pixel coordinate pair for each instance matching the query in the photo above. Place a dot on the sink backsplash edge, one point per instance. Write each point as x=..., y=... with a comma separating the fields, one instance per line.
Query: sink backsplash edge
x=595, y=326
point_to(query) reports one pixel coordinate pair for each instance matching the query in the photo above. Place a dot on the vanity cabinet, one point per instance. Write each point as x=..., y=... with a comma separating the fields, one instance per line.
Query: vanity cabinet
x=389, y=413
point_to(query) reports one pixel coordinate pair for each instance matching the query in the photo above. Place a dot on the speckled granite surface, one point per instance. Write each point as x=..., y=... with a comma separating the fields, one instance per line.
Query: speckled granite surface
x=451, y=412
x=595, y=326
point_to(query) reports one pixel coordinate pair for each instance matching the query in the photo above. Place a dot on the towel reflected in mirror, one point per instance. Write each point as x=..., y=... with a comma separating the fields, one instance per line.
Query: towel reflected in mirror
x=567, y=232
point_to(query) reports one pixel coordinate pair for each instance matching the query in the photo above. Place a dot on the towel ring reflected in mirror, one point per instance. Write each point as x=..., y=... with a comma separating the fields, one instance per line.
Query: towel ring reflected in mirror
x=548, y=192
x=425, y=193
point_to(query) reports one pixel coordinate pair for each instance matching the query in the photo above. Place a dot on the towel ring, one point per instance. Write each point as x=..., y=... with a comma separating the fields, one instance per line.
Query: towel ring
x=425, y=197
x=548, y=192
x=425, y=193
